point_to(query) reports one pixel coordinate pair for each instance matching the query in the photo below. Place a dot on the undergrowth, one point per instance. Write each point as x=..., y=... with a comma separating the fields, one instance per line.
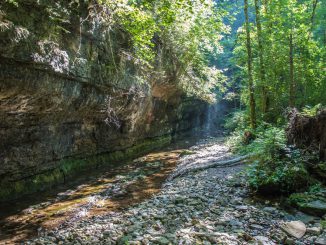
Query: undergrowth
x=275, y=167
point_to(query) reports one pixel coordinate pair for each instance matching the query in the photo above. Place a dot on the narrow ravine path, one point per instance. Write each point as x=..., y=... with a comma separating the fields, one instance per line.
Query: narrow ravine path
x=212, y=206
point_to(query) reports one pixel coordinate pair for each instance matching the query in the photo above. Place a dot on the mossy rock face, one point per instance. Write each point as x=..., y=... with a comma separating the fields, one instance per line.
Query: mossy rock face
x=311, y=203
x=71, y=167
x=320, y=170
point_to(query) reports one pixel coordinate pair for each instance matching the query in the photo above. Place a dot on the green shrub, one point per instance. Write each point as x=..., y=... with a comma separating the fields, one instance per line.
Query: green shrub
x=311, y=111
x=236, y=121
x=276, y=167
x=269, y=143
x=277, y=177
x=266, y=141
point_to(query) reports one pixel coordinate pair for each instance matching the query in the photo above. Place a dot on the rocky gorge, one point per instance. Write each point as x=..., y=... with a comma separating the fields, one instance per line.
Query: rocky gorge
x=64, y=110
x=162, y=122
x=213, y=206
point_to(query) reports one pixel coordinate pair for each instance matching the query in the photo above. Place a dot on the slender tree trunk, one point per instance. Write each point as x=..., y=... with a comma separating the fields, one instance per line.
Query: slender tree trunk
x=292, y=81
x=250, y=78
x=262, y=73
x=312, y=18
x=314, y=5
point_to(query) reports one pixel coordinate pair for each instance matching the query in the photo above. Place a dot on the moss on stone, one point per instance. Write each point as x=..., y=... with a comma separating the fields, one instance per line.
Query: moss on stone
x=320, y=170
x=311, y=203
x=70, y=167
x=323, y=224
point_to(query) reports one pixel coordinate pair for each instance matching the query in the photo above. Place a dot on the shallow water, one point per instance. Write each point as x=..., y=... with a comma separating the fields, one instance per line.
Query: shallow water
x=106, y=190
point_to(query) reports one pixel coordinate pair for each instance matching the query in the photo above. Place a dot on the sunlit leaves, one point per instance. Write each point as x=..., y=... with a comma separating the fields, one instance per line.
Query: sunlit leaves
x=280, y=18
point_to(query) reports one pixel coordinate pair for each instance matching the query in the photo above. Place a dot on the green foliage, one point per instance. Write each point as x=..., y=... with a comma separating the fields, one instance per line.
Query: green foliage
x=279, y=20
x=277, y=177
x=237, y=120
x=167, y=40
x=265, y=141
x=275, y=167
x=316, y=188
x=14, y=2
x=237, y=123
x=290, y=31
x=269, y=143
x=311, y=111
x=174, y=38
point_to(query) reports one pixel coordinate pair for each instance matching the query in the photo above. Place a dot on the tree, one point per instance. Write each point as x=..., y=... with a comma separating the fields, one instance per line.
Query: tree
x=249, y=66
x=292, y=81
x=283, y=56
x=264, y=100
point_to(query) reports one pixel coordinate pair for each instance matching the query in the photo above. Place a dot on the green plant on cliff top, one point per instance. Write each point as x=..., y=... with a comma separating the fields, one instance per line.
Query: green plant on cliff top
x=171, y=40
x=176, y=36
x=14, y=2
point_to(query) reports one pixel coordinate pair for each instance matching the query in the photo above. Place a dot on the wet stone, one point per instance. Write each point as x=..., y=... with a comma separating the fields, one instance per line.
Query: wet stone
x=203, y=207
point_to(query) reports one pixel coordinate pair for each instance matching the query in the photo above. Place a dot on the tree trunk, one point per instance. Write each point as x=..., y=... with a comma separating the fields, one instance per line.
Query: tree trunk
x=262, y=73
x=250, y=78
x=314, y=5
x=292, y=81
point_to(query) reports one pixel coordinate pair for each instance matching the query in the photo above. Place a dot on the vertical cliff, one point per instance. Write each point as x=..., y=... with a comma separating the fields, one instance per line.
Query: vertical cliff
x=68, y=102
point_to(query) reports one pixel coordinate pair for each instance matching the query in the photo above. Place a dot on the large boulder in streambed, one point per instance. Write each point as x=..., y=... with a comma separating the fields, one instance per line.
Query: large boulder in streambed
x=296, y=229
x=314, y=204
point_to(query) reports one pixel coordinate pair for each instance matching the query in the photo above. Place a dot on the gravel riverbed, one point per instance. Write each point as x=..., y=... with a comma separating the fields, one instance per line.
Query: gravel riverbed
x=212, y=206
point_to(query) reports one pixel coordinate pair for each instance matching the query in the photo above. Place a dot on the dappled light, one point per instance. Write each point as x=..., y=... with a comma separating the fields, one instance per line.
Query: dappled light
x=110, y=190
x=162, y=122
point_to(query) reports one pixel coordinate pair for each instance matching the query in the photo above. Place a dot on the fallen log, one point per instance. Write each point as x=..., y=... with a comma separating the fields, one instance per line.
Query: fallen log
x=218, y=164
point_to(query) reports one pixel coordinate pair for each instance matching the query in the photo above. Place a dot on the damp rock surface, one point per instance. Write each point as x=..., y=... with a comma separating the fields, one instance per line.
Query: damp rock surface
x=206, y=207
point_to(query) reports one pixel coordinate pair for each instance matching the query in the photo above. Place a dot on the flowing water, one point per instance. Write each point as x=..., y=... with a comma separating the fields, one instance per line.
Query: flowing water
x=214, y=116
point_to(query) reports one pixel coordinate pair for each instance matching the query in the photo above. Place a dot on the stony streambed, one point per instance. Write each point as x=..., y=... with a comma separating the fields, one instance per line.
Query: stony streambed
x=206, y=207
x=102, y=191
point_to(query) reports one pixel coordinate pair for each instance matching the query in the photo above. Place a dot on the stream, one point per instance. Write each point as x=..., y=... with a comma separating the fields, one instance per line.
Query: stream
x=107, y=189
x=138, y=203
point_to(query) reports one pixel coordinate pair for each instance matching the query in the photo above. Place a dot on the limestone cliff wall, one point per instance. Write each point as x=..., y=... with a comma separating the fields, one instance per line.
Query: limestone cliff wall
x=63, y=109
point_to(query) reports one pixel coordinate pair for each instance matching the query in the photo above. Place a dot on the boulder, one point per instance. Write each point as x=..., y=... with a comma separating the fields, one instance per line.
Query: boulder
x=296, y=229
x=311, y=203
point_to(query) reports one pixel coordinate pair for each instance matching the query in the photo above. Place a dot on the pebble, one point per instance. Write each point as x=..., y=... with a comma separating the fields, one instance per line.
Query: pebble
x=314, y=230
x=262, y=240
x=320, y=241
x=204, y=207
x=270, y=209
